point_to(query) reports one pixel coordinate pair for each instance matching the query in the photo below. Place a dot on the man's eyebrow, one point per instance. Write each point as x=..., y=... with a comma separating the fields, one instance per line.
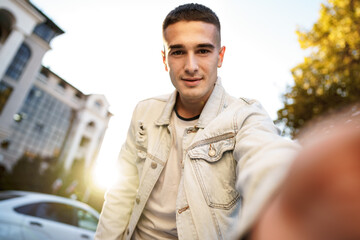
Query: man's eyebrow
x=201, y=45
x=206, y=45
x=176, y=46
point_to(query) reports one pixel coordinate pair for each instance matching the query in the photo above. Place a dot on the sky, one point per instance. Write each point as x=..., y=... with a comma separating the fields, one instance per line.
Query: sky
x=113, y=47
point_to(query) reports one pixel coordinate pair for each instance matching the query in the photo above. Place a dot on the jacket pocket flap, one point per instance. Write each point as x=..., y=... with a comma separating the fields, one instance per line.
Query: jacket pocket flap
x=212, y=151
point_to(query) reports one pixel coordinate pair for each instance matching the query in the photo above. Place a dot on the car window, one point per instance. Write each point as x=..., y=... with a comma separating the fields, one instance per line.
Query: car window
x=6, y=196
x=86, y=220
x=29, y=209
x=51, y=211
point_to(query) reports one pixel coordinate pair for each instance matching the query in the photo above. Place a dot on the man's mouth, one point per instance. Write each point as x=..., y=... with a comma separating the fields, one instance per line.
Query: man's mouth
x=192, y=79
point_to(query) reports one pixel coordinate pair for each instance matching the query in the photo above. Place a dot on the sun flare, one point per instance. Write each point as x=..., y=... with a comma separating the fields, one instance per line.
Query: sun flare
x=104, y=175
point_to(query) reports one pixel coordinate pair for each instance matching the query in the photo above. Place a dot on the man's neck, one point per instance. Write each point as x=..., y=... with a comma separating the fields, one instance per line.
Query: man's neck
x=188, y=109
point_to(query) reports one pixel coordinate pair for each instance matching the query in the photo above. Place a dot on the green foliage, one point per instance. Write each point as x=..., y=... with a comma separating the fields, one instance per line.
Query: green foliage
x=30, y=174
x=329, y=78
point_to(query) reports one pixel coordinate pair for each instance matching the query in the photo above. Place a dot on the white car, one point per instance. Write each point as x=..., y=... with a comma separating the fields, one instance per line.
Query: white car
x=36, y=216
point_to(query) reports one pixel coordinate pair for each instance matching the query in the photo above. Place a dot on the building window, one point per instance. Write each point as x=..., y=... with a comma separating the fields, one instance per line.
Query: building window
x=62, y=85
x=18, y=64
x=6, y=24
x=98, y=104
x=44, y=32
x=5, y=92
x=43, y=130
x=44, y=72
x=34, y=94
x=90, y=126
x=5, y=144
x=78, y=95
x=84, y=142
x=39, y=127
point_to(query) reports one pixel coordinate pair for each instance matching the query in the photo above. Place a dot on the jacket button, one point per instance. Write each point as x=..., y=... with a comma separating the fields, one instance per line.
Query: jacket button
x=153, y=165
x=137, y=200
x=212, y=152
x=127, y=231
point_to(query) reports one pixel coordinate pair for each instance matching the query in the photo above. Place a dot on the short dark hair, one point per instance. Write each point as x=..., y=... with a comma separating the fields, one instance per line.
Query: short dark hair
x=191, y=12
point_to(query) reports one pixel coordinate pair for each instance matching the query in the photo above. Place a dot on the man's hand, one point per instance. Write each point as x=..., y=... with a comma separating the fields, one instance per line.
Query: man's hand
x=320, y=198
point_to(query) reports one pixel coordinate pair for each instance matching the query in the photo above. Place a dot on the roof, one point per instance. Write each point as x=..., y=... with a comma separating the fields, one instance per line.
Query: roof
x=48, y=21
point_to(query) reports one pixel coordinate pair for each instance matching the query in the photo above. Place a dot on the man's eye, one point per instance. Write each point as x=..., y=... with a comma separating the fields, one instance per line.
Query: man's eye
x=178, y=52
x=203, y=51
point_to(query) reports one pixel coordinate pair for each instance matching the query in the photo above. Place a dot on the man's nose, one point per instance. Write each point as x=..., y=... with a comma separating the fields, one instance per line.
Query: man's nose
x=191, y=64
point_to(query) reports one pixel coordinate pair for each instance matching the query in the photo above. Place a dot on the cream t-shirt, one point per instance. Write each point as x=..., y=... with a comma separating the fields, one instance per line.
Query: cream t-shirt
x=158, y=220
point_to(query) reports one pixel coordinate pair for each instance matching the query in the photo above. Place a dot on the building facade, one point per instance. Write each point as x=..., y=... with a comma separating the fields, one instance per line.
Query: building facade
x=42, y=115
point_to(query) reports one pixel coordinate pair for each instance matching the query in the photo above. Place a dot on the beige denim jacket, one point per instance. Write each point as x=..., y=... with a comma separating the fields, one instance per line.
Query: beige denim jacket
x=232, y=166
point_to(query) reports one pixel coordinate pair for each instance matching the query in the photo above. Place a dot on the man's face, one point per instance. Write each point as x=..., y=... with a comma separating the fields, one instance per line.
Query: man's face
x=192, y=56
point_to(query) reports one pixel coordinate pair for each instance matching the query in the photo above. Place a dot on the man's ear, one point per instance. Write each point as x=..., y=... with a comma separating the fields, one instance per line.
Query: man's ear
x=164, y=60
x=221, y=56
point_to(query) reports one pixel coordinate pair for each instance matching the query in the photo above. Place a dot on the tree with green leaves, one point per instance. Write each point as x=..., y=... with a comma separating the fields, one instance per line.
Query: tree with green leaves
x=329, y=78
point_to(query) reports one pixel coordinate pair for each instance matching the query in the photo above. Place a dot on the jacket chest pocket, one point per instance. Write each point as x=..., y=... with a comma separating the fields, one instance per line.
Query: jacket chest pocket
x=215, y=170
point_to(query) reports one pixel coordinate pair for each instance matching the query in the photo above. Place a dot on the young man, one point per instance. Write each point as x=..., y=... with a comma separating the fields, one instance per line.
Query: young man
x=195, y=161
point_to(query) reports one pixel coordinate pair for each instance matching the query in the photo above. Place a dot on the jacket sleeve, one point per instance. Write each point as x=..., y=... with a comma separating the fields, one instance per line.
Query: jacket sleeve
x=263, y=160
x=119, y=199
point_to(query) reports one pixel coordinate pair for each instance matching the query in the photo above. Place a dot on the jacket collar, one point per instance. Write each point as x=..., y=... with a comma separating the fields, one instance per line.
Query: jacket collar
x=166, y=113
x=212, y=108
